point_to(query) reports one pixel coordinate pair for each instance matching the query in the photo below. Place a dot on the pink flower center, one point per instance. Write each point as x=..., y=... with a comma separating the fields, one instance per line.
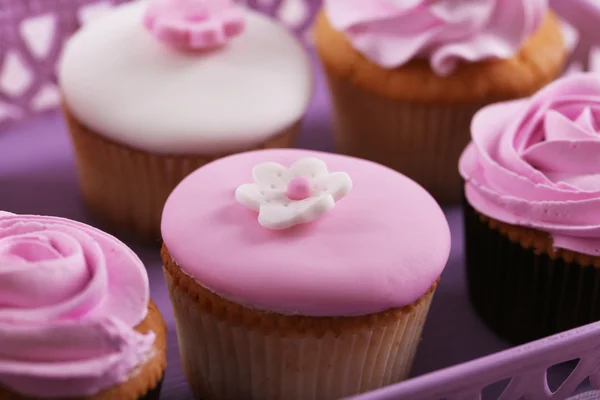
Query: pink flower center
x=197, y=16
x=298, y=188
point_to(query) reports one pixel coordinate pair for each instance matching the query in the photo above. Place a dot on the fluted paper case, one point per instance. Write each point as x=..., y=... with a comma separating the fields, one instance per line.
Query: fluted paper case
x=32, y=33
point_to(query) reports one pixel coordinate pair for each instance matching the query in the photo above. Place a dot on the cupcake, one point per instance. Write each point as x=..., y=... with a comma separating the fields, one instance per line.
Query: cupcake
x=76, y=319
x=299, y=275
x=153, y=90
x=407, y=77
x=532, y=211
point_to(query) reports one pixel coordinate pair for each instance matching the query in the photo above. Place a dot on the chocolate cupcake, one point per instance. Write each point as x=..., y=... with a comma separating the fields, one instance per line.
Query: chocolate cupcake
x=532, y=211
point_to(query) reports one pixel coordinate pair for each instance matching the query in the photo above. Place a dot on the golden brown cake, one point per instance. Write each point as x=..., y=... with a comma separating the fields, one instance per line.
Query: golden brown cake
x=415, y=119
x=126, y=188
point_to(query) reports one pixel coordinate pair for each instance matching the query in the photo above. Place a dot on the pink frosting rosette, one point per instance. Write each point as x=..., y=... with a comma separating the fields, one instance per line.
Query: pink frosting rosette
x=536, y=162
x=70, y=297
x=392, y=32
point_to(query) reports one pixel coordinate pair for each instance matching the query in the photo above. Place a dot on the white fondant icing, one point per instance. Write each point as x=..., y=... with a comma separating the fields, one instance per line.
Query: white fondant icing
x=120, y=81
x=268, y=193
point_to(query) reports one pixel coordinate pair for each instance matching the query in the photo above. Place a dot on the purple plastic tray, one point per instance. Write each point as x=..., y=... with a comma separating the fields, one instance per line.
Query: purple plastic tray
x=459, y=359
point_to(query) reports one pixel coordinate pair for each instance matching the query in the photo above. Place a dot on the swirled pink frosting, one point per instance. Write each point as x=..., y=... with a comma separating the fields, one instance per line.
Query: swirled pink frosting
x=536, y=162
x=70, y=296
x=392, y=32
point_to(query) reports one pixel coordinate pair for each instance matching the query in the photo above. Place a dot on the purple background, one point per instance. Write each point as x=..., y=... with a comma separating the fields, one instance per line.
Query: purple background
x=37, y=176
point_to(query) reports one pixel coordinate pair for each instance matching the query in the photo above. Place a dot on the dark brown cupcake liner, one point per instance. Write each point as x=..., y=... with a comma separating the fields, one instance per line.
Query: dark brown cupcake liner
x=154, y=394
x=520, y=292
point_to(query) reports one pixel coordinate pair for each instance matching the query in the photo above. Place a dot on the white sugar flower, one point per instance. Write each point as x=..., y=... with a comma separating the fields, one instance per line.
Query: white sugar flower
x=286, y=197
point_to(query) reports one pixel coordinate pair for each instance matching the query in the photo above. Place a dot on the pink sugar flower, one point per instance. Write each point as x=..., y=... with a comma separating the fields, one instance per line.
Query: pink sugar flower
x=194, y=24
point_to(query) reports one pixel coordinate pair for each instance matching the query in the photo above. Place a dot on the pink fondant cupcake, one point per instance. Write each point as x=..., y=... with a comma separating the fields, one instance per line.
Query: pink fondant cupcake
x=155, y=89
x=300, y=275
x=532, y=215
x=76, y=319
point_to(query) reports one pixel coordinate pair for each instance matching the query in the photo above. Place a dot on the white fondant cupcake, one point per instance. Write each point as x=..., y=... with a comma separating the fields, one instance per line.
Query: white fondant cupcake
x=156, y=89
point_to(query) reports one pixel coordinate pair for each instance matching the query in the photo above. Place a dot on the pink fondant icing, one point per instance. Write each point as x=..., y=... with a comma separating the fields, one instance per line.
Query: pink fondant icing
x=70, y=296
x=393, y=32
x=382, y=246
x=298, y=188
x=194, y=24
x=536, y=162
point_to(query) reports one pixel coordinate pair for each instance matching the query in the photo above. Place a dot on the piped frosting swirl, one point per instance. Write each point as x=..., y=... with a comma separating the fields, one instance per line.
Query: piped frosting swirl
x=70, y=297
x=393, y=32
x=535, y=162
